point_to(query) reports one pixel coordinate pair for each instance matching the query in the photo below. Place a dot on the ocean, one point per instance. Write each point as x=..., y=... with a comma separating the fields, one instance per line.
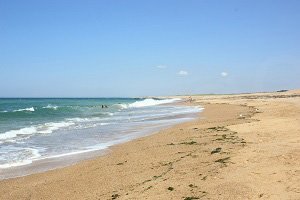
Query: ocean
x=37, y=129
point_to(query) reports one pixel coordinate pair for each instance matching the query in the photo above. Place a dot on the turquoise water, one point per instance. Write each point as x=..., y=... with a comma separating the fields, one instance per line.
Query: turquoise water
x=34, y=129
x=18, y=113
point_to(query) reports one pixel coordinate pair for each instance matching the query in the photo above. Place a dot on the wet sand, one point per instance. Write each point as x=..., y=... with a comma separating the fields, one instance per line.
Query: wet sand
x=241, y=147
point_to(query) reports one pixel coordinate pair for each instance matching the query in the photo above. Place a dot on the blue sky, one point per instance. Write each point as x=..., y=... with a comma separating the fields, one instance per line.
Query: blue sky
x=64, y=48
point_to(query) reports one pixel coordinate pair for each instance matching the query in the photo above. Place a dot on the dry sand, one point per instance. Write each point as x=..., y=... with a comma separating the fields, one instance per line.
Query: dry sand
x=241, y=147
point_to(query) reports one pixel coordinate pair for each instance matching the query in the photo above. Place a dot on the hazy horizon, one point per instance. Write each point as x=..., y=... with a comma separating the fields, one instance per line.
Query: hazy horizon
x=147, y=48
x=137, y=97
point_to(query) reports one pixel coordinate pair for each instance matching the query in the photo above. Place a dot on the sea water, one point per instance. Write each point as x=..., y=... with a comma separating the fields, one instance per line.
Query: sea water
x=36, y=129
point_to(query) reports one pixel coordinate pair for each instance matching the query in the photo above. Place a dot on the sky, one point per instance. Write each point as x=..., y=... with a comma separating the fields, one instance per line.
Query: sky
x=131, y=48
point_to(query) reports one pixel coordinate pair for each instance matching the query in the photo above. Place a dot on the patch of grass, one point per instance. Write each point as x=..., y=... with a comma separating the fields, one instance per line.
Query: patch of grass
x=186, y=155
x=148, y=188
x=122, y=163
x=226, y=137
x=146, y=181
x=212, y=128
x=217, y=150
x=192, y=186
x=156, y=177
x=218, y=128
x=170, y=188
x=223, y=160
x=190, y=198
x=165, y=164
x=189, y=143
x=114, y=196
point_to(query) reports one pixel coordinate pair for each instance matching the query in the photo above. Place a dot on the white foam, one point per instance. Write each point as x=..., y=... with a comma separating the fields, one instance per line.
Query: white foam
x=122, y=105
x=15, y=133
x=90, y=149
x=90, y=119
x=70, y=154
x=48, y=128
x=151, y=102
x=77, y=119
x=44, y=129
x=25, y=109
x=146, y=103
x=103, y=124
x=109, y=113
x=49, y=106
x=15, y=164
x=35, y=154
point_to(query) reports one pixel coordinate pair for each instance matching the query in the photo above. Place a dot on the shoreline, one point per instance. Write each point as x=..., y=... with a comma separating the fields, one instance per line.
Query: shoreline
x=225, y=154
x=62, y=161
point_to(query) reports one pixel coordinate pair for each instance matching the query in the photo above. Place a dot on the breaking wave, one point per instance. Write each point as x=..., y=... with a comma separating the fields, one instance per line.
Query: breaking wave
x=25, y=109
x=49, y=106
x=28, y=131
x=148, y=102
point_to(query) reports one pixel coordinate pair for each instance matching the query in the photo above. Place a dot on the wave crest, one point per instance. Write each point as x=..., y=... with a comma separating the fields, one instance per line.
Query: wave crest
x=42, y=129
x=25, y=109
x=146, y=103
x=151, y=102
x=15, y=133
x=49, y=106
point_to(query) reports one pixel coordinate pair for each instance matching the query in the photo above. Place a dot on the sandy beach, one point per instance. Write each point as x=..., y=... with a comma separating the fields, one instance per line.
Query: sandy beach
x=243, y=146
